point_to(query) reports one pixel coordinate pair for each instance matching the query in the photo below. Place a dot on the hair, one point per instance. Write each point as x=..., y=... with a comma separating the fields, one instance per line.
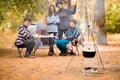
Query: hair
x=49, y=11
x=58, y=2
x=27, y=19
x=73, y=20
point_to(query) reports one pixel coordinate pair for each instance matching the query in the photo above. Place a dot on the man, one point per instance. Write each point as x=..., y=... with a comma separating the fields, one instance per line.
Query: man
x=64, y=15
x=25, y=39
x=72, y=33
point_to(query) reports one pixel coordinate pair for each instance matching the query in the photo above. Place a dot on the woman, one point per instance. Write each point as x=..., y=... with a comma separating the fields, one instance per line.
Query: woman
x=52, y=26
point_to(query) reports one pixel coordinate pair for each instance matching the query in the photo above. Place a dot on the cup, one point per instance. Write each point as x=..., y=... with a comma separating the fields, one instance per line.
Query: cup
x=51, y=34
x=36, y=35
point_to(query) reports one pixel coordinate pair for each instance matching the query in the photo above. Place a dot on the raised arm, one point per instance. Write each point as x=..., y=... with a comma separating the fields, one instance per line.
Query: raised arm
x=72, y=11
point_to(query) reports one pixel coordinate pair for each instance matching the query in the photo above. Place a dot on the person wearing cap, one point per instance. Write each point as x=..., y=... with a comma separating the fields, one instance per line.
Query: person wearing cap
x=72, y=33
x=64, y=15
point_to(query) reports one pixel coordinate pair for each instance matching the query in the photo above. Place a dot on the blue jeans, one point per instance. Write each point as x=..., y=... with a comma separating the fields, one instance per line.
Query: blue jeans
x=61, y=44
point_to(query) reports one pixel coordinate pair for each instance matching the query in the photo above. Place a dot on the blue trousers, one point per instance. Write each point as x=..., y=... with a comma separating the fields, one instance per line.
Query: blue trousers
x=61, y=44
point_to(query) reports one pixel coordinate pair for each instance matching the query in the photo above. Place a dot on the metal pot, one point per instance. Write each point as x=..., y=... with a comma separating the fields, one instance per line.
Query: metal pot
x=88, y=53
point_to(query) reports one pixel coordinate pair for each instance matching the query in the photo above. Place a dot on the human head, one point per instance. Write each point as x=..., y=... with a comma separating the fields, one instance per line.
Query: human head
x=59, y=4
x=51, y=10
x=27, y=21
x=72, y=23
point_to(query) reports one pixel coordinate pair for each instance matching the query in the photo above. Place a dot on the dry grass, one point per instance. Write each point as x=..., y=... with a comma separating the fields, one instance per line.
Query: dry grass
x=8, y=39
x=114, y=39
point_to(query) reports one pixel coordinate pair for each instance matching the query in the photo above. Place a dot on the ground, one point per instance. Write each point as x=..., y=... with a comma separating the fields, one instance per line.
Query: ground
x=45, y=67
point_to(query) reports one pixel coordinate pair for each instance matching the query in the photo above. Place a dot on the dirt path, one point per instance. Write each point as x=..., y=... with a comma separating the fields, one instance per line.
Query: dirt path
x=45, y=67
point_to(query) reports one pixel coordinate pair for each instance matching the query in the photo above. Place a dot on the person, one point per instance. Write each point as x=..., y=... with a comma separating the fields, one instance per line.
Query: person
x=72, y=33
x=64, y=15
x=52, y=26
x=25, y=39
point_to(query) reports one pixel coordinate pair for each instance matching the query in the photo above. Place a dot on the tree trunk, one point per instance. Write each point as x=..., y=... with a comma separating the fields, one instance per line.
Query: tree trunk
x=84, y=20
x=69, y=4
x=93, y=15
x=100, y=23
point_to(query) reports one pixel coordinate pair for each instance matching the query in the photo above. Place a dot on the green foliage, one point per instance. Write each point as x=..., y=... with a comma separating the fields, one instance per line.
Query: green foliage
x=113, y=18
x=12, y=12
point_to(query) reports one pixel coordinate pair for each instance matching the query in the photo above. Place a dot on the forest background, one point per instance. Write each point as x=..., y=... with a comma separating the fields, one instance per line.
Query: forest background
x=12, y=13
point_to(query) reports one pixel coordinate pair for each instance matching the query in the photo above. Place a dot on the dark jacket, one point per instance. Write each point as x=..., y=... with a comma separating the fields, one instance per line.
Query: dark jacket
x=64, y=15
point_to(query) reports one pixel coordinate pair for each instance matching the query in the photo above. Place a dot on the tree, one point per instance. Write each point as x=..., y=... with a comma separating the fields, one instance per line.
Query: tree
x=84, y=18
x=12, y=12
x=69, y=4
x=113, y=17
x=100, y=22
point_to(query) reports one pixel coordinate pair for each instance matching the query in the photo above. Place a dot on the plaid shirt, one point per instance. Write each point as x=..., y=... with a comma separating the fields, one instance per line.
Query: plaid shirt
x=72, y=33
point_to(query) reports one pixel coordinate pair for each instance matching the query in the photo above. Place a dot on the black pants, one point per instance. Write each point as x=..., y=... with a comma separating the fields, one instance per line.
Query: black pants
x=51, y=42
x=28, y=44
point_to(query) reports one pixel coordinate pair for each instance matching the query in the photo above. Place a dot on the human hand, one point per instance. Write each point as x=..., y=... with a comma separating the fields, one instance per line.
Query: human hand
x=74, y=2
x=64, y=37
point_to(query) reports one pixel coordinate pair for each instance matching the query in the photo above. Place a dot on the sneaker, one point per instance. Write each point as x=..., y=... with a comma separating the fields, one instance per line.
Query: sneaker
x=29, y=56
x=61, y=54
x=50, y=53
x=65, y=54
x=72, y=53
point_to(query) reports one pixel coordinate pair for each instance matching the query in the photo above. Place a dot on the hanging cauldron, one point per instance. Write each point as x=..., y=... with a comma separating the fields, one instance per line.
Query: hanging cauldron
x=88, y=53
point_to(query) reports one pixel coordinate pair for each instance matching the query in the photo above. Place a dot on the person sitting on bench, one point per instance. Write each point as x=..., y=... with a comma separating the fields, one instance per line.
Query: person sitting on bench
x=72, y=33
x=25, y=39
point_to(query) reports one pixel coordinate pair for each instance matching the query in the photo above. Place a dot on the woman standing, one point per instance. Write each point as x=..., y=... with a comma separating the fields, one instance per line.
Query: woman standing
x=52, y=26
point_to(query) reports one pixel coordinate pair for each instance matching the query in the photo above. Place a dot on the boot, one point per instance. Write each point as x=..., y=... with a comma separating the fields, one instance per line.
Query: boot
x=63, y=53
x=72, y=53
x=51, y=51
x=28, y=55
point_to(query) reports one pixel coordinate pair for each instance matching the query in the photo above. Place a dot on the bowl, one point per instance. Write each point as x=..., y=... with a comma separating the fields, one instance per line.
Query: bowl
x=89, y=53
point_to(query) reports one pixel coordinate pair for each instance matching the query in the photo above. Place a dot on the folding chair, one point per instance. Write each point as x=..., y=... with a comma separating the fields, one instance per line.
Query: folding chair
x=19, y=49
x=20, y=52
x=75, y=43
